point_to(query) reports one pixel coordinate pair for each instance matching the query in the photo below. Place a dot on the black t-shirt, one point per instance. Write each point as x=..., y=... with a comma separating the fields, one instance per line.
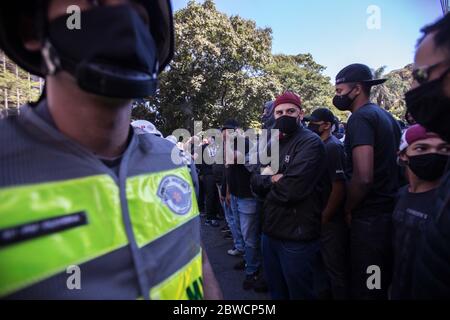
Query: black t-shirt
x=238, y=180
x=336, y=163
x=238, y=176
x=335, y=158
x=371, y=125
x=431, y=272
x=412, y=212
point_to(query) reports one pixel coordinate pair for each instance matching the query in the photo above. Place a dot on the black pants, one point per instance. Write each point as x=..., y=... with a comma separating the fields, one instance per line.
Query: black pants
x=201, y=196
x=371, y=246
x=335, y=250
x=211, y=197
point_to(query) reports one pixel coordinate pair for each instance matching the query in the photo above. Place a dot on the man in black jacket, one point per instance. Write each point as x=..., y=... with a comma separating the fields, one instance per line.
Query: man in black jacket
x=294, y=200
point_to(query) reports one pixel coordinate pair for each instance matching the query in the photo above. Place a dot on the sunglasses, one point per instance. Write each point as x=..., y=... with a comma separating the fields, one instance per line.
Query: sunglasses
x=422, y=75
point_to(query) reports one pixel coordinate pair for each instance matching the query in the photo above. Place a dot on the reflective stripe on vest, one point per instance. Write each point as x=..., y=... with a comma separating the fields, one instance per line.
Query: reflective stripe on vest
x=186, y=284
x=154, y=214
x=151, y=217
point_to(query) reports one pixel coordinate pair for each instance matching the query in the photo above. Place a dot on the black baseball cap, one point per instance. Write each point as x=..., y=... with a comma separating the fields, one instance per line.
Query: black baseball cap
x=321, y=114
x=357, y=73
x=230, y=124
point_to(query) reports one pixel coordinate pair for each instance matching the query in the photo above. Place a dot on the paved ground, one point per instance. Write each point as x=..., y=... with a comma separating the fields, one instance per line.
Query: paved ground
x=229, y=279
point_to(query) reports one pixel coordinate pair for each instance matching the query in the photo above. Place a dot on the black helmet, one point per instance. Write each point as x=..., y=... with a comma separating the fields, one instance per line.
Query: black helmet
x=160, y=24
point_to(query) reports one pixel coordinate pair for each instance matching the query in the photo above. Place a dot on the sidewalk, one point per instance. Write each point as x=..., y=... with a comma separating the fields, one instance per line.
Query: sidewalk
x=229, y=279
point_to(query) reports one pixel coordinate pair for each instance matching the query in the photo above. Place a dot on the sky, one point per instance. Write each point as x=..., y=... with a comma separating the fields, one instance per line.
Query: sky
x=336, y=32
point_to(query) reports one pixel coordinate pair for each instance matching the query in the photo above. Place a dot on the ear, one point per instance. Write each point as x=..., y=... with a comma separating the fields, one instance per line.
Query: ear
x=327, y=125
x=358, y=89
x=301, y=115
x=402, y=158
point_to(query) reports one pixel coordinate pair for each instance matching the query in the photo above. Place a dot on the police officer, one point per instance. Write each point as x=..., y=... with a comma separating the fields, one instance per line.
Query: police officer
x=88, y=208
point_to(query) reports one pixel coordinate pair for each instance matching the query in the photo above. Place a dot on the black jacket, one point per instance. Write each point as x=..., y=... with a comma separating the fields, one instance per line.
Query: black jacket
x=293, y=206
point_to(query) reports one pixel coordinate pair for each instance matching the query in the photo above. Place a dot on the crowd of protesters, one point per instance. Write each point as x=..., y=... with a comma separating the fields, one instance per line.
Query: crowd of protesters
x=355, y=210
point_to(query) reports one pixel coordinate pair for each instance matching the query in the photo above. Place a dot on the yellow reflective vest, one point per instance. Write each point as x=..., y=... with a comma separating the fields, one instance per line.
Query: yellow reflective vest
x=72, y=228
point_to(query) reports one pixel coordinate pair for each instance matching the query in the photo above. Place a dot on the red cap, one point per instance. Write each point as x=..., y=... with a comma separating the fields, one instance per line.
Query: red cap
x=413, y=134
x=288, y=97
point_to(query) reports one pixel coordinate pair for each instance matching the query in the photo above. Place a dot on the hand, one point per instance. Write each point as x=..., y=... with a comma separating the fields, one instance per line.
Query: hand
x=276, y=178
x=228, y=199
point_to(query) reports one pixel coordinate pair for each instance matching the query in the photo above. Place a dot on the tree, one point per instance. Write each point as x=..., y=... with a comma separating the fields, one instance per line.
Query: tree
x=218, y=70
x=390, y=95
x=301, y=74
x=16, y=86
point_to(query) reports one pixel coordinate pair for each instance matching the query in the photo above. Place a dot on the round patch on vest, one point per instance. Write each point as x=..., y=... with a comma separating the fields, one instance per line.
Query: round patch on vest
x=176, y=194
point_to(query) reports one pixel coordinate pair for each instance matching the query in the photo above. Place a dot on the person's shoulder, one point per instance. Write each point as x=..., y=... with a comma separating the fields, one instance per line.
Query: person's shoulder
x=370, y=110
x=164, y=150
x=155, y=143
x=306, y=135
x=8, y=123
x=333, y=142
x=305, y=138
x=11, y=129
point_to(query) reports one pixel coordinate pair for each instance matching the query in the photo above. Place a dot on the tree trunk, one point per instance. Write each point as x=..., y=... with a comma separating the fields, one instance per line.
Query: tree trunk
x=17, y=90
x=29, y=87
x=6, y=101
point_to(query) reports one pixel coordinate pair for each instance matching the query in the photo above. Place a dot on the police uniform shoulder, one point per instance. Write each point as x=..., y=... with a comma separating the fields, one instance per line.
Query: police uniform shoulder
x=157, y=144
x=10, y=130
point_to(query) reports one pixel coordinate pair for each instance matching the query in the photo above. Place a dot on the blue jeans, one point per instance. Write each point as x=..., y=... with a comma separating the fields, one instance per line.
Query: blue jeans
x=249, y=222
x=237, y=235
x=291, y=268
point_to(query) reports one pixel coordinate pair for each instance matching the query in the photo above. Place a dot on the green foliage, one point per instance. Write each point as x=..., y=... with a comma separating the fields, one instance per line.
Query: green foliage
x=16, y=86
x=301, y=74
x=390, y=95
x=223, y=68
x=218, y=70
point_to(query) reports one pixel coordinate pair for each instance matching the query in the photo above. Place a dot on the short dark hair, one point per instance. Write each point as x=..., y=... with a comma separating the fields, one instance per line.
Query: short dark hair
x=231, y=124
x=442, y=29
x=366, y=88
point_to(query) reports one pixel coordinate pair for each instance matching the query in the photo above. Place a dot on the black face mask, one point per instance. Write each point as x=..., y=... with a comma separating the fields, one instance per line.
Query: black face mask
x=343, y=102
x=112, y=55
x=286, y=124
x=314, y=127
x=428, y=167
x=429, y=106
